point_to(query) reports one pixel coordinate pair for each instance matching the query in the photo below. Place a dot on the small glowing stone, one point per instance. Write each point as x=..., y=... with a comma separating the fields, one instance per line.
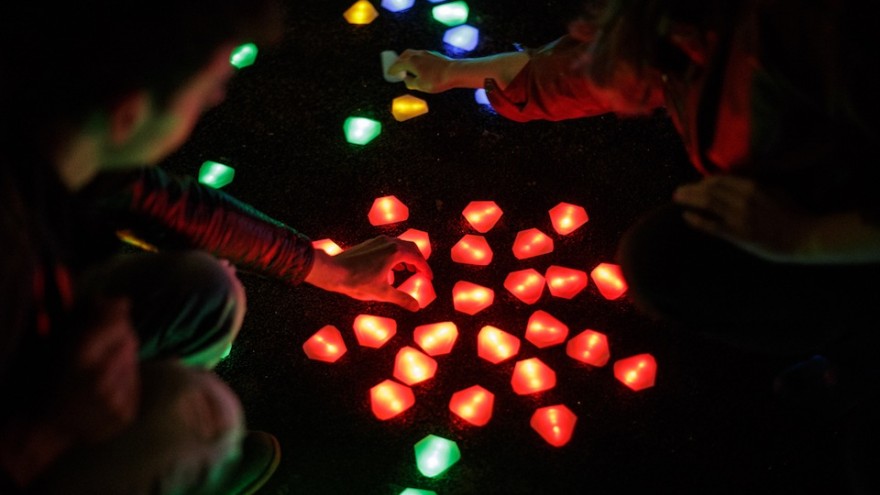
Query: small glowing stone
x=567, y=218
x=496, y=345
x=472, y=250
x=481, y=98
x=389, y=398
x=526, y=285
x=434, y=455
x=423, y=242
x=473, y=405
x=416, y=491
x=471, y=298
x=408, y=106
x=452, y=13
x=374, y=331
x=544, y=330
x=387, y=210
x=420, y=288
x=361, y=130
x=397, y=5
x=361, y=12
x=243, y=55
x=637, y=372
x=589, y=347
x=530, y=243
x=328, y=246
x=555, y=424
x=436, y=338
x=609, y=280
x=463, y=37
x=388, y=57
x=325, y=345
x=482, y=215
x=411, y=366
x=565, y=282
x=532, y=376
x=215, y=174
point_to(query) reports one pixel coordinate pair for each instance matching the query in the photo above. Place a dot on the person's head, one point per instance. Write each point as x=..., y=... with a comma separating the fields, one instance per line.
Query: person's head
x=132, y=75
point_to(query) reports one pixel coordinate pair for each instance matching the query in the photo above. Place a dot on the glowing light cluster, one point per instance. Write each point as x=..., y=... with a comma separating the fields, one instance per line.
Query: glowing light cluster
x=636, y=372
x=389, y=398
x=555, y=424
x=374, y=331
x=531, y=376
x=387, y=210
x=464, y=37
x=526, y=285
x=421, y=238
x=530, y=243
x=411, y=366
x=328, y=246
x=434, y=455
x=482, y=215
x=496, y=345
x=215, y=174
x=544, y=330
x=473, y=404
x=408, y=106
x=609, y=280
x=436, y=338
x=590, y=347
x=566, y=218
x=361, y=130
x=470, y=298
x=420, y=288
x=452, y=13
x=361, y=12
x=325, y=345
x=565, y=282
x=472, y=250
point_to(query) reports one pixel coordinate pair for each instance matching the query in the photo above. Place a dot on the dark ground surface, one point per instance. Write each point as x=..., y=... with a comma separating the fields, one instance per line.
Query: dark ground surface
x=710, y=425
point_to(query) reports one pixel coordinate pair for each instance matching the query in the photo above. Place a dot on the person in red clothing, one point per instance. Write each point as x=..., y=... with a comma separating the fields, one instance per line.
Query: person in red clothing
x=106, y=358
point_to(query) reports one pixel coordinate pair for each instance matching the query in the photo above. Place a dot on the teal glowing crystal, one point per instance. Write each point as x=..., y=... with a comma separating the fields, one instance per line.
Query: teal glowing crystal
x=361, y=130
x=416, y=491
x=451, y=14
x=216, y=175
x=243, y=55
x=434, y=455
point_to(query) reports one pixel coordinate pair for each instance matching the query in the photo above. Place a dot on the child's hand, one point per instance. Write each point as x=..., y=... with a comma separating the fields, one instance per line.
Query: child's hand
x=425, y=71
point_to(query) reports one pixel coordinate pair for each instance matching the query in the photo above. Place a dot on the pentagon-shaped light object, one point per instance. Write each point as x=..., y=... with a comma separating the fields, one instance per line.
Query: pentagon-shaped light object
x=374, y=331
x=565, y=282
x=397, y=5
x=387, y=210
x=328, y=246
x=361, y=130
x=609, y=280
x=526, y=285
x=215, y=174
x=555, y=424
x=482, y=215
x=361, y=12
x=589, y=347
x=389, y=398
x=436, y=338
x=423, y=242
x=530, y=243
x=544, y=330
x=566, y=217
x=408, y=106
x=325, y=345
x=434, y=455
x=464, y=37
x=496, y=345
x=531, y=376
x=473, y=405
x=420, y=288
x=452, y=13
x=637, y=372
x=417, y=491
x=471, y=298
x=472, y=250
x=411, y=366
x=481, y=97
x=243, y=55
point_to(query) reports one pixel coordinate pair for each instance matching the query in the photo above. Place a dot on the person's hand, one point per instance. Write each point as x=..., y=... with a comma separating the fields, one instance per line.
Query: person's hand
x=361, y=272
x=426, y=71
x=100, y=394
x=738, y=210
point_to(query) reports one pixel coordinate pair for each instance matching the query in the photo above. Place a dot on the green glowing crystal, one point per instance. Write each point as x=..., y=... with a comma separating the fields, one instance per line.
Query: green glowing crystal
x=451, y=14
x=216, y=175
x=227, y=351
x=243, y=55
x=416, y=491
x=361, y=130
x=435, y=454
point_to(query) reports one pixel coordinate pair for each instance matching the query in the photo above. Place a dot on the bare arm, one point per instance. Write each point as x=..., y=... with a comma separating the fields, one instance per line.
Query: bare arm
x=432, y=72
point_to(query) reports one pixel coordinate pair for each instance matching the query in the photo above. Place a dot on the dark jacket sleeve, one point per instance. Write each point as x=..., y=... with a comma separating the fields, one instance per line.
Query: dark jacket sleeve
x=553, y=85
x=171, y=212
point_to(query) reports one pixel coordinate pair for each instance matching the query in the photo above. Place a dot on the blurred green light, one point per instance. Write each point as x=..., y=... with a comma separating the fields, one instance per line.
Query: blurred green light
x=243, y=55
x=361, y=130
x=451, y=14
x=216, y=175
x=416, y=491
x=227, y=351
x=435, y=454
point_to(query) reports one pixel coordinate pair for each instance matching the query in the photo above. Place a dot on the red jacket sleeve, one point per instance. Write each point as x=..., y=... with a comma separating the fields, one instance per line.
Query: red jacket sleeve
x=553, y=85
